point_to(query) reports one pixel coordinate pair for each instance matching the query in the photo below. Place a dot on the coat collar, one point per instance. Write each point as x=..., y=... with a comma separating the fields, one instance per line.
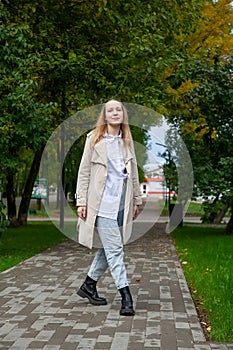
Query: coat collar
x=101, y=149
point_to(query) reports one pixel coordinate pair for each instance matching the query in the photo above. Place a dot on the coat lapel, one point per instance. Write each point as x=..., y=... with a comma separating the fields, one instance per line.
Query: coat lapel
x=128, y=155
x=100, y=153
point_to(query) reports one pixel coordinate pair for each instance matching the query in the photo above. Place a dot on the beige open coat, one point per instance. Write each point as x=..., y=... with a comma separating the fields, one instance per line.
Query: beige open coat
x=92, y=176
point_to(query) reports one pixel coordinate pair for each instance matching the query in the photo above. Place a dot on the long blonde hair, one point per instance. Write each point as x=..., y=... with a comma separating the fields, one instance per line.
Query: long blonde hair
x=101, y=126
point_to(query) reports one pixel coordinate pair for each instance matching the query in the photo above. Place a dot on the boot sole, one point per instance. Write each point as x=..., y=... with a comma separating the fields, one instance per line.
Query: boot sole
x=82, y=294
x=126, y=312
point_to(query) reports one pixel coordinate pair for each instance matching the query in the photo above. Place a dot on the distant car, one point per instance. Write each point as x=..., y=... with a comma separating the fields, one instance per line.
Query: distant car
x=204, y=198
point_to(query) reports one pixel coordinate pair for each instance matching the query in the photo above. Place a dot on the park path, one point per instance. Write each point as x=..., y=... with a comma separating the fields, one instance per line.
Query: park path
x=39, y=307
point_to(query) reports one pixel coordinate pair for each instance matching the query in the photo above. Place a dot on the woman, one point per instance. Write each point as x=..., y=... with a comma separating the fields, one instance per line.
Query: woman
x=108, y=197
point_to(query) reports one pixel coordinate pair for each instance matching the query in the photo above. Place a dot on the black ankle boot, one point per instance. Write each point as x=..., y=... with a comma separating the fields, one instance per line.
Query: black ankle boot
x=126, y=302
x=88, y=290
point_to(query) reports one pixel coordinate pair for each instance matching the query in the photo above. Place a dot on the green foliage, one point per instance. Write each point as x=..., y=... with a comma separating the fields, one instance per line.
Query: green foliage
x=211, y=210
x=91, y=51
x=60, y=57
x=203, y=113
x=200, y=101
x=24, y=122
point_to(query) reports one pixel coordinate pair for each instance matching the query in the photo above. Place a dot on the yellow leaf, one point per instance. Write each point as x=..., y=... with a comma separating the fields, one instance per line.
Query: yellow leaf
x=213, y=32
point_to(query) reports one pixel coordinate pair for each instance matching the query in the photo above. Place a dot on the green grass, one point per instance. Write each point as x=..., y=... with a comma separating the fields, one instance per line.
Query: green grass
x=53, y=210
x=207, y=259
x=18, y=244
x=195, y=209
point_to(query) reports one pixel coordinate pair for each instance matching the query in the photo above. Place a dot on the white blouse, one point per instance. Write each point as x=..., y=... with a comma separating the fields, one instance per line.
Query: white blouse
x=110, y=201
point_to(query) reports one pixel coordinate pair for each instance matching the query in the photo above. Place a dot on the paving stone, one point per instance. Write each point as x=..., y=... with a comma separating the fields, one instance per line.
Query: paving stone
x=202, y=347
x=39, y=307
x=102, y=346
x=22, y=343
x=68, y=346
x=120, y=341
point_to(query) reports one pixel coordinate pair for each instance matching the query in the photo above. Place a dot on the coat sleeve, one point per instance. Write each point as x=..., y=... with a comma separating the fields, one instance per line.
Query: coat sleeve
x=84, y=174
x=137, y=197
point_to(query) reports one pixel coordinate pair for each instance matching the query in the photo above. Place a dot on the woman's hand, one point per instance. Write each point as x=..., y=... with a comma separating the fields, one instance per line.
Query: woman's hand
x=82, y=212
x=135, y=211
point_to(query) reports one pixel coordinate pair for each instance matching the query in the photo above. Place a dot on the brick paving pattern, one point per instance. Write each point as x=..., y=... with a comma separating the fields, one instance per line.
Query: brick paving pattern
x=39, y=307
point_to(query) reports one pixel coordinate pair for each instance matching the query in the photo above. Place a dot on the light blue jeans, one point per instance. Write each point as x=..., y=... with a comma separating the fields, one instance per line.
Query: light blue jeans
x=111, y=254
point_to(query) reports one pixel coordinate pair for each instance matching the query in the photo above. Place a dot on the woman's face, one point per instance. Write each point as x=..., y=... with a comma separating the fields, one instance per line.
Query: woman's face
x=114, y=112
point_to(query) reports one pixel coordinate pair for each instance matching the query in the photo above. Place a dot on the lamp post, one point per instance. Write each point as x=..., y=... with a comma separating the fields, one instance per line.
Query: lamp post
x=168, y=181
x=62, y=174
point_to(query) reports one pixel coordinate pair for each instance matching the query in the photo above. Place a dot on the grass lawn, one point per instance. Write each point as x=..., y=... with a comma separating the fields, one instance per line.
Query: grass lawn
x=18, y=244
x=207, y=259
x=195, y=209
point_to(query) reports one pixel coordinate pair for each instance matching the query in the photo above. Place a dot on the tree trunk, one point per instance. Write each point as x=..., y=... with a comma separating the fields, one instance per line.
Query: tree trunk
x=219, y=217
x=26, y=196
x=229, y=228
x=212, y=216
x=11, y=203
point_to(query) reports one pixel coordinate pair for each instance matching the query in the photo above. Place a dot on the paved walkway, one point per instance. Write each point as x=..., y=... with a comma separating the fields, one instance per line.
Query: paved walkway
x=39, y=308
